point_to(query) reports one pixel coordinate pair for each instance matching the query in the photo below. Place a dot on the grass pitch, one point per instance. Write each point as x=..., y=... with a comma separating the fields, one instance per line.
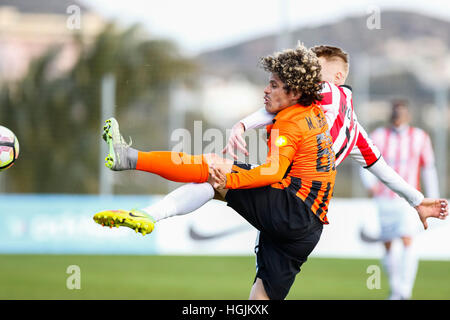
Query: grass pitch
x=197, y=277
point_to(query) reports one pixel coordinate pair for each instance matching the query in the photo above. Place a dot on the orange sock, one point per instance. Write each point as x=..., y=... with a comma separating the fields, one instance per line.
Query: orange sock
x=174, y=166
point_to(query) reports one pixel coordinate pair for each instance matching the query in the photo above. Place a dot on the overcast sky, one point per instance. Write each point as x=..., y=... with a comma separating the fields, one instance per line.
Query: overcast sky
x=198, y=25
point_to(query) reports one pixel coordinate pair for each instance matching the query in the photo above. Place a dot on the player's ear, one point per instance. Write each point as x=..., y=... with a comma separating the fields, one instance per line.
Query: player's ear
x=296, y=95
x=338, y=77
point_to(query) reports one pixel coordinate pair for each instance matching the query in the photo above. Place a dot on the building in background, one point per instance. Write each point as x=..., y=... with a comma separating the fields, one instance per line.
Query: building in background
x=225, y=100
x=29, y=28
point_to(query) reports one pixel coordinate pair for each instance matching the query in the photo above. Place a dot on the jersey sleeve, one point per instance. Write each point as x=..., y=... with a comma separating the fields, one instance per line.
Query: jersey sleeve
x=365, y=152
x=367, y=178
x=430, y=181
x=395, y=182
x=426, y=154
x=330, y=102
x=270, y=172
x=428, y=168
x=285, y=138
x=257, y=119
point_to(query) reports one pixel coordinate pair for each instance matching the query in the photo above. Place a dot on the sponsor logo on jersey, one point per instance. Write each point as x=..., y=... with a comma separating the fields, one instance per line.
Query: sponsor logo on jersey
x=281, y=141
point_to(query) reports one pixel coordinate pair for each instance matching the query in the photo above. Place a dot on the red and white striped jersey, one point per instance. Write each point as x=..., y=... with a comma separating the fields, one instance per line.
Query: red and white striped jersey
x=349, y=137
x=405, y=149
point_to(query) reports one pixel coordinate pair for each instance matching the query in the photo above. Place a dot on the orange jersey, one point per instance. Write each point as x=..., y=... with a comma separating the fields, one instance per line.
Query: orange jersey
x=300, y=149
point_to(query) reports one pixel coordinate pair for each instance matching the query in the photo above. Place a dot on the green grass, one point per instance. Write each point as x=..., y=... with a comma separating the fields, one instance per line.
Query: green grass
x=193, y=277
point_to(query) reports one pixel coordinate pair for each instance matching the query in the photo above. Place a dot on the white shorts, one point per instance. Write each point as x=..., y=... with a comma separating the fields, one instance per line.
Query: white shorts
x=397, y=218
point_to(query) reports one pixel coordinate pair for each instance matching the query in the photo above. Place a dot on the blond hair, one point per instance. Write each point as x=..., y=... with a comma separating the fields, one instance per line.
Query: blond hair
x=331, y=53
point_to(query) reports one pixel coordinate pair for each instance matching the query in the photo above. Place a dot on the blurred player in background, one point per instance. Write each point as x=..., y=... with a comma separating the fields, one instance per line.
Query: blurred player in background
x=408, y=150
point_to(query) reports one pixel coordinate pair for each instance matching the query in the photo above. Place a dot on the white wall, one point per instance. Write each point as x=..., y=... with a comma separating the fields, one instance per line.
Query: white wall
x=341, y=238
x=63, y=224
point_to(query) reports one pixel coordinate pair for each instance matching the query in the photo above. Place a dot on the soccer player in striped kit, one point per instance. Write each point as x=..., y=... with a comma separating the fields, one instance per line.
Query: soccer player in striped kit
x=349, y=137
x=408, y=150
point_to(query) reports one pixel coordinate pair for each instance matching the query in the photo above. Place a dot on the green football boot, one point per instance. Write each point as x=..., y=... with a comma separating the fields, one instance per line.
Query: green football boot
x=117, y=158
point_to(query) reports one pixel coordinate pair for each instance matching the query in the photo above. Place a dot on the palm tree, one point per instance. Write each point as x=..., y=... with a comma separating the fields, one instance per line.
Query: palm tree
x=57, y=119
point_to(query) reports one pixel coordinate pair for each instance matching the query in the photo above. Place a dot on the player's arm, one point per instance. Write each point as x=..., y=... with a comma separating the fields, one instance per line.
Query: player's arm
x=425, y=207
x=255, y=120
x=285, y=139
x=270, y=172
x=430, y=181
x=367, y=155
x=428, y=168
x=364, y=154
x=431, y=205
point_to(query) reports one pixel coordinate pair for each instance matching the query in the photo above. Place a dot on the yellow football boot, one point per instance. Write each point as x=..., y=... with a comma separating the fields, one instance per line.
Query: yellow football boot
x=134, y=219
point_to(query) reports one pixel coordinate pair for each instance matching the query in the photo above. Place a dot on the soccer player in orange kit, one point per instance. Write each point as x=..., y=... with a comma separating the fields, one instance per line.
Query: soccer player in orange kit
x=286, y=198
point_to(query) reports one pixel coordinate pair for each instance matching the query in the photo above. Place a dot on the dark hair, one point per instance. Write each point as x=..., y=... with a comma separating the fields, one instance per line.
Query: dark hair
x=299, y=70
x=399, y=102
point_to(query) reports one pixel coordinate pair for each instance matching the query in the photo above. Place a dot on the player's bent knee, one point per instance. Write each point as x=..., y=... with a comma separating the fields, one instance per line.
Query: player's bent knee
x=407, y=241
x=258, y=292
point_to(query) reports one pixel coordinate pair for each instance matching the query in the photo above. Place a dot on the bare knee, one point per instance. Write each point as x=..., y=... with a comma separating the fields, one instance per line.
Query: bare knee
x=258, y=292
x=407, y=241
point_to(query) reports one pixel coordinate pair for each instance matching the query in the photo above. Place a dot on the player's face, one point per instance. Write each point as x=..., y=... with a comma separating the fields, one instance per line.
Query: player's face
x=332, y=71
x=400, y=115
x=275, y=96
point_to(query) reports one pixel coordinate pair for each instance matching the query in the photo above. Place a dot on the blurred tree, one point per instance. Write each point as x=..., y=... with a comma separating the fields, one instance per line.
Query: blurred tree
x=57, y=117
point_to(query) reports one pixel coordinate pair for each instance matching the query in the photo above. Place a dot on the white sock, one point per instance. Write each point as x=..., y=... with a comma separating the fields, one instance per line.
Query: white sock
x=410, y=264
x=183, y=200
x=392, y=268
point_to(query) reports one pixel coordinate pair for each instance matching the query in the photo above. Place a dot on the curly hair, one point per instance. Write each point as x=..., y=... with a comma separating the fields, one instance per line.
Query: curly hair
x=299, y=70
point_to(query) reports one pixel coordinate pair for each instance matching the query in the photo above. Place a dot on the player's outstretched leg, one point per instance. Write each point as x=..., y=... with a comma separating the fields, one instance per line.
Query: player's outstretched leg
x=134, y=219
x=120, y=155
x=174, y=166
